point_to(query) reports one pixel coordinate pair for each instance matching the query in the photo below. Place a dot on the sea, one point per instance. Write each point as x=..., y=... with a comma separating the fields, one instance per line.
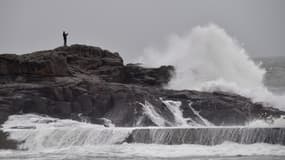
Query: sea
x=206, y=59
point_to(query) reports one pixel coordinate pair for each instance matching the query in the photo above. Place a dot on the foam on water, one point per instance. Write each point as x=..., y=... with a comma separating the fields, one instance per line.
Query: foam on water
x=174, y=107
x=175, y=110
x=204, y=120
x=39, y=132
x=208, y=59
x=180, y=121
x=152, y=114
x=149, y=151
x=52, y=138
x=273, y=122
x=225, y=149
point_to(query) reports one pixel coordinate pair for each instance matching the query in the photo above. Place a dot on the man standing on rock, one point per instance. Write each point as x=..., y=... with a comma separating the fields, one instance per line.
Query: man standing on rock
x=65, y=34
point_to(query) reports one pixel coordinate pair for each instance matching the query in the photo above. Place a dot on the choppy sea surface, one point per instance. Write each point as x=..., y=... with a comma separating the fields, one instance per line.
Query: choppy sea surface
x=274, y=78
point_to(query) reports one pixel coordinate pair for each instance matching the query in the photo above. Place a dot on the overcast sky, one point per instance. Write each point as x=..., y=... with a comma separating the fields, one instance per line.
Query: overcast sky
x=129, y=26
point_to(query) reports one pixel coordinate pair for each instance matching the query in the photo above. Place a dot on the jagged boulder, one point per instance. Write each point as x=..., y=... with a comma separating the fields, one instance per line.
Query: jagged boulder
x=43, y=63
x=78, y=60
x=148, y=76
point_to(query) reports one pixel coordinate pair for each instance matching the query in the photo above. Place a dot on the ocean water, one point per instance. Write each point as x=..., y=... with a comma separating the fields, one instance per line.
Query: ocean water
x=46, y=138
x=207, y=59
x=226, y=151
x=275, y=73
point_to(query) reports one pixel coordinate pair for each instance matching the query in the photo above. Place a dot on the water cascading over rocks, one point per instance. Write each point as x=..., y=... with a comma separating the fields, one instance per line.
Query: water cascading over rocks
x=208, y=136
x=90, y=84
x=36, y=132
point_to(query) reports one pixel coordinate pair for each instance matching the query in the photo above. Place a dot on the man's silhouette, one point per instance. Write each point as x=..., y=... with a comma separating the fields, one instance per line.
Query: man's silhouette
x=65, y=34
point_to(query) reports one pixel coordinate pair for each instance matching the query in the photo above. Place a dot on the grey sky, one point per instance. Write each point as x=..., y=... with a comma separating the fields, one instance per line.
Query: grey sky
x=129, y=26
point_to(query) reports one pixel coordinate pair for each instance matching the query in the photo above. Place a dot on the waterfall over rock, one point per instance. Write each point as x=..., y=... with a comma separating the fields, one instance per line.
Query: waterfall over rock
x=34, y=132
x=208, y=136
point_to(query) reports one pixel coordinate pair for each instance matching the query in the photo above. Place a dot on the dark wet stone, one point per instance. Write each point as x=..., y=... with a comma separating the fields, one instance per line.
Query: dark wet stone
x=5, y=143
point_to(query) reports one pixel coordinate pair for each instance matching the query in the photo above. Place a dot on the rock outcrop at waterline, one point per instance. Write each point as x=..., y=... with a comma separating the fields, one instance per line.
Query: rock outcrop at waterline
x=88, y=83
x=6, y=143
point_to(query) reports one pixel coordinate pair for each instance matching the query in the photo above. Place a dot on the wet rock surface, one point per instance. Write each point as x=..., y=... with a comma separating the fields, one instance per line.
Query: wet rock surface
x=91, y=84
x=6, y=143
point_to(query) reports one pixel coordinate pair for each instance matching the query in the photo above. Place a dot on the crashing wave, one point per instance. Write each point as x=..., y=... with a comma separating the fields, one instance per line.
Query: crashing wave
x=208, y=59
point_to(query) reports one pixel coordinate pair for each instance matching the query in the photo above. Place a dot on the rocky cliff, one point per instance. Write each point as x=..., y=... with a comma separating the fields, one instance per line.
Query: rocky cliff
x=88, y=83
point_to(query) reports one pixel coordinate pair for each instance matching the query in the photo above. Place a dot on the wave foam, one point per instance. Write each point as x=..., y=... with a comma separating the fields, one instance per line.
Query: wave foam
x=208, y=59
x=38, y=132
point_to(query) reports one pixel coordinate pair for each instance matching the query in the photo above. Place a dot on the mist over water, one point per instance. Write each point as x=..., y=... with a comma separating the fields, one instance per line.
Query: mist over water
x=208, y=59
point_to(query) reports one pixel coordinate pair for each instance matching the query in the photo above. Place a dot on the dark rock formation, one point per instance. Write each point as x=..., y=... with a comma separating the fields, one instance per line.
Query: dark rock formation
x=89, y=83
x=7, y=144
x=148, y=76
